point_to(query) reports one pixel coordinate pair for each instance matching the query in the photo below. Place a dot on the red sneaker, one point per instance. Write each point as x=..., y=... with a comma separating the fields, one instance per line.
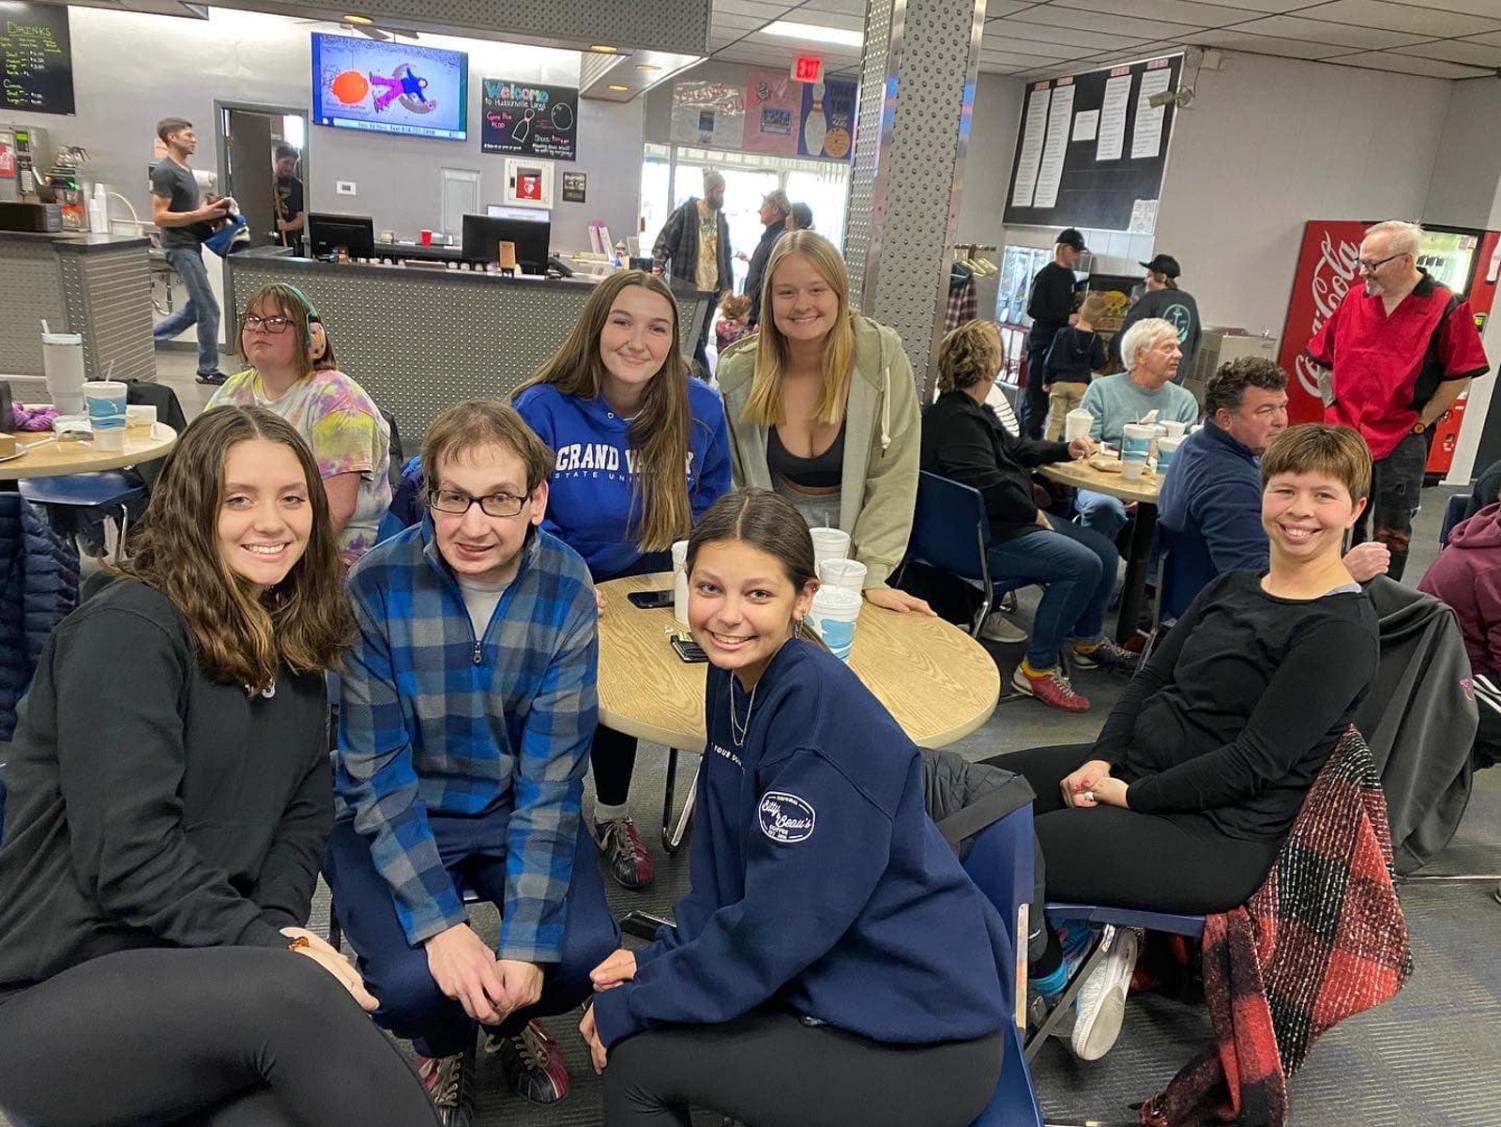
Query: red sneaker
x=624, y=852
x=1050, y=687
x=532, y=1063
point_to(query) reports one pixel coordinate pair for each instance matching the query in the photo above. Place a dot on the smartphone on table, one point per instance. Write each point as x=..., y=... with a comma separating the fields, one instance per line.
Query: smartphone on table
x=650, y=600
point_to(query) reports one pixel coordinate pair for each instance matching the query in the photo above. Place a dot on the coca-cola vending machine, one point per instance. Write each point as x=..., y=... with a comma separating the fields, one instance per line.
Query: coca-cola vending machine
x=1466, y=261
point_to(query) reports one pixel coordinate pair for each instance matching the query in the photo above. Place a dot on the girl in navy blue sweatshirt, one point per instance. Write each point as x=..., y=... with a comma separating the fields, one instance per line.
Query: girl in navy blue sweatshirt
x=832, y=953
x=641, y=452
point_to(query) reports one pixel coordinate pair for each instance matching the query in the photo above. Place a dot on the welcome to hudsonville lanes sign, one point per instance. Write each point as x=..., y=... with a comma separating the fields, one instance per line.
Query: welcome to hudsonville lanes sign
x=530, y=120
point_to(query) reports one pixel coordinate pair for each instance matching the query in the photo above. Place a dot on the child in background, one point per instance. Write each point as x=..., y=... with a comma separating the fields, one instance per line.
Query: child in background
x=1077, y=353
x=732, y=324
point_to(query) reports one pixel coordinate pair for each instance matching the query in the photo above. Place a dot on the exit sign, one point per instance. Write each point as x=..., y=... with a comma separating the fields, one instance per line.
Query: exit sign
x=807, y=68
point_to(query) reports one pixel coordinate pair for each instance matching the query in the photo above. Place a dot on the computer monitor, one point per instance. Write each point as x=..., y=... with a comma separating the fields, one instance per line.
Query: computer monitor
x=484, y=233
x=530, y=214
x=355, y=233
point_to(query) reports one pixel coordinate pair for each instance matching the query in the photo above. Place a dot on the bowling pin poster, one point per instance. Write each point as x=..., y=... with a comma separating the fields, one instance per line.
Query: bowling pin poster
x=773, y=113
x=522, y=117
x=828, y=119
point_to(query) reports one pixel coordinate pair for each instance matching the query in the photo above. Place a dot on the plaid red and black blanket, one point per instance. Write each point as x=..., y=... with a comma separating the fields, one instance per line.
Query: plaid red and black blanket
x=1322, y=939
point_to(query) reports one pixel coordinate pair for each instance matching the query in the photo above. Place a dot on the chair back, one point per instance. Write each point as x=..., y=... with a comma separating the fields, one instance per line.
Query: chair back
x=950, y=529
x=396, y=451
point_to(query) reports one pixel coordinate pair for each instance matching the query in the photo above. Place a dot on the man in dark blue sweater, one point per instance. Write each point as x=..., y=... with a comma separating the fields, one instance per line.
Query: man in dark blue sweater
x=1209, y=511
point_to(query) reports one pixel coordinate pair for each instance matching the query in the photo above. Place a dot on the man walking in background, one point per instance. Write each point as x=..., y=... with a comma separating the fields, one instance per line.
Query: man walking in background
x=291, y=205
x=1402, y=348
x=696, y=241
x=185, y=221
x=775, y=208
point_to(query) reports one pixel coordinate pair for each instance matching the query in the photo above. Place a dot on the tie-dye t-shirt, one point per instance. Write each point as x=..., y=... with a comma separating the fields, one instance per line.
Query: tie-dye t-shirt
x=346, y=433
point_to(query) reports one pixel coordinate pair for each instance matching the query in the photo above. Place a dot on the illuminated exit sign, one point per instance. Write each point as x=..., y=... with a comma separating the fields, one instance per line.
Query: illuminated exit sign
x=807, y=68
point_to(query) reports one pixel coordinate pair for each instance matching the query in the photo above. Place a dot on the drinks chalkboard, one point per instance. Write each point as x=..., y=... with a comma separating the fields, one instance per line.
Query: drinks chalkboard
x=36, y=59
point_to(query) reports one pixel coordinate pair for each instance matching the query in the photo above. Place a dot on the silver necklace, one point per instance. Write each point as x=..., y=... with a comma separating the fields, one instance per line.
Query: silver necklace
x=737, y=729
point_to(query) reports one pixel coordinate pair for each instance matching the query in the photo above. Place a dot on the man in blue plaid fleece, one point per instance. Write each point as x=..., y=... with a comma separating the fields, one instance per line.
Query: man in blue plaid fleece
x=464, y=729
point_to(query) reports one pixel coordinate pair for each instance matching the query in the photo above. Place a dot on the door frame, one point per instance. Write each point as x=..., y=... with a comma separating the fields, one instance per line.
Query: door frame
x=221, y=150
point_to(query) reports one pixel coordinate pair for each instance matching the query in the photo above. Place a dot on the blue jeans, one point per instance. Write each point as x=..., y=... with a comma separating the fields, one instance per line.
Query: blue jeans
x=1101, y=512
x=395, y=971
x=200, y=309
x=1076, y=567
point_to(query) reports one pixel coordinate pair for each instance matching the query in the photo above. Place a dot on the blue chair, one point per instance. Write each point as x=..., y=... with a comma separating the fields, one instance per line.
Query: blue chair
x=1001, y=863
x=110, y=489
x=1454, y=512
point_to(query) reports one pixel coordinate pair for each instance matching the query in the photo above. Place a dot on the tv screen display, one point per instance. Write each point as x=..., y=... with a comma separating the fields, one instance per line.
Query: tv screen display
x=390, y=87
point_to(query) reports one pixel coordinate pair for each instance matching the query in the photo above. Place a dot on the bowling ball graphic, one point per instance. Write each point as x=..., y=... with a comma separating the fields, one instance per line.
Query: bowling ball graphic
x=836, y=143
x=350, y=87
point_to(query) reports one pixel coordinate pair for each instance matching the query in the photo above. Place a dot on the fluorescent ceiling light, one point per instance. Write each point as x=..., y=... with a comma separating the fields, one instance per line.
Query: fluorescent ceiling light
x=618, y=88
x=815, y=33
x=357, y=19
x=603, y=49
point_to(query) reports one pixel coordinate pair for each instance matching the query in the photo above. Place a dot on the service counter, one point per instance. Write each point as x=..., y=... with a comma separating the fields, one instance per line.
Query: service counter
x=97, y=285
x=421, y=338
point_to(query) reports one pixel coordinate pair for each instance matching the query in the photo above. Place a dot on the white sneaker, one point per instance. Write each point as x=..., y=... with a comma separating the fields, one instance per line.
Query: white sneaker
x=1101, y=1005
x=998, y=628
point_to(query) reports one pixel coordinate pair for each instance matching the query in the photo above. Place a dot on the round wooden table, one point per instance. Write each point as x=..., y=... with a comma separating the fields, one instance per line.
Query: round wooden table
x=47, y=456
x=1144, y=490
x=937, y=682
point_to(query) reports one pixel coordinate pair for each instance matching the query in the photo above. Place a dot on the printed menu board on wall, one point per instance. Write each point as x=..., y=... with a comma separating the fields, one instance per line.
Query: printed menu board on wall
x=1092, y=149
x=538, y=121
x=828, y=119
x=36, y=59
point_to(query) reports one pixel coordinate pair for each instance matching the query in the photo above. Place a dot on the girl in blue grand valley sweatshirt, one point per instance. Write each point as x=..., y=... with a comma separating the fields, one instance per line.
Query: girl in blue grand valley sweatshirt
x=642, y=452
x=832, y=954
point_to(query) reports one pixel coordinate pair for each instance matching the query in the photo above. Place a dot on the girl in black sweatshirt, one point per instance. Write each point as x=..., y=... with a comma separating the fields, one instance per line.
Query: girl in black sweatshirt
x=168, y=800
x=1183, y=802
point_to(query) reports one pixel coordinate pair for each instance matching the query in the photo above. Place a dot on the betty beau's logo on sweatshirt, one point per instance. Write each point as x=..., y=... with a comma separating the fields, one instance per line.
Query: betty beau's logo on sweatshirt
x=786, y=818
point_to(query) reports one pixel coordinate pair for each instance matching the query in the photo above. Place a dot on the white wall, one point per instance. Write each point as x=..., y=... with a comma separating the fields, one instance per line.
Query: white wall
x=132, y=69
x=1271, y=143
x=987, y=171
x=1462, y=192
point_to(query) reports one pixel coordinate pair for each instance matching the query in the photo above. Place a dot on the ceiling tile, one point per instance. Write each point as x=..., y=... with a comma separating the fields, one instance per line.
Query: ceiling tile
x=1174, y=11
x=1068, y=36
x=1134, y=26
x=1011, y=58
x=848, y=7
x=1032, y=47
x=1321, y=31
x=1456, y=51
x=826, y=19
x=731, y=22
x=1470, y=7
x=1265, y=45
x=1492, y=38
x=999, y=9
x=1429, y=22
x=770, y=10
x=1407, y=64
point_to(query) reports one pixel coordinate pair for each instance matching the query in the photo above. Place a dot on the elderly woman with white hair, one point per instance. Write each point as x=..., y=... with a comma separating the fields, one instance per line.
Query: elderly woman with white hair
x=1151, y=353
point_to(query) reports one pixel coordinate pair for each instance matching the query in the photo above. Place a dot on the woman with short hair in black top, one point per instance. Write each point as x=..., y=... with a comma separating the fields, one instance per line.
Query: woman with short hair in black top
x=168, y=801
x=1184, y=801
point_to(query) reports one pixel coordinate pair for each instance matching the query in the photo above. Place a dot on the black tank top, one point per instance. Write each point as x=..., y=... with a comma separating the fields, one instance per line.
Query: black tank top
x=822, y=471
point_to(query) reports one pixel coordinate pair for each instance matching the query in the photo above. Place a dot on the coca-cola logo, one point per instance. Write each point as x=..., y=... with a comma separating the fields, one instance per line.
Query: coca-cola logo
x=1332, y=274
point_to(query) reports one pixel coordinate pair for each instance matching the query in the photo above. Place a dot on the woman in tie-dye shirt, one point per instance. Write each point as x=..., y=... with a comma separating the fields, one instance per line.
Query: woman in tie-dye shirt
x=293, y=373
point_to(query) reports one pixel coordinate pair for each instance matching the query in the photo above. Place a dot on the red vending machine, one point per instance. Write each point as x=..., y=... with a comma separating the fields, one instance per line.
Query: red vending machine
x=1467, y=261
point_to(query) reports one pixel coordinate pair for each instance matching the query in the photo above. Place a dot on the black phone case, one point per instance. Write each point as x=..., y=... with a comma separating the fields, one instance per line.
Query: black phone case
x=650, y=600
x=689, y=651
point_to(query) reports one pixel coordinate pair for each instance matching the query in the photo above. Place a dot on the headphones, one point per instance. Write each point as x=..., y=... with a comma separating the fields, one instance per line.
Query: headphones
x=317, y=336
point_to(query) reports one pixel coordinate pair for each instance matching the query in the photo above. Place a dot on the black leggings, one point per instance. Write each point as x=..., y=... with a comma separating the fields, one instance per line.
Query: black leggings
x=613, y=757
x=1110, y=856
x=769, y=1069
x=219, y=1036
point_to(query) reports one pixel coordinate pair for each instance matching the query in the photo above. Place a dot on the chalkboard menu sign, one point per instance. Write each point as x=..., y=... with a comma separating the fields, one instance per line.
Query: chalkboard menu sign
x=36, y=59
x=532, y=120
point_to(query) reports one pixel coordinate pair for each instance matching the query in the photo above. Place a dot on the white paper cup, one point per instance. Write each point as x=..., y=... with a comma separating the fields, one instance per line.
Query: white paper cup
x=833, y=615
x=1174, y=428
x=680, y=581
x=1167, y=449
x=842, y=573
x=105, y=400
x=140, y=415
x=62, y=364
x=1136, y=442
x=1133, y=471
x=1076, y=424
x=829, y=544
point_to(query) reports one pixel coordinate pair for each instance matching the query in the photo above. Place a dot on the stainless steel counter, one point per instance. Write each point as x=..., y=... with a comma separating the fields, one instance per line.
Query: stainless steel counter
x=420, y=339
x=96, y=285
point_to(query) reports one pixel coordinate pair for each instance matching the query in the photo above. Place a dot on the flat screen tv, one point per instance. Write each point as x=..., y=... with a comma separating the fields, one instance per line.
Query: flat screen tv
x=390, y=87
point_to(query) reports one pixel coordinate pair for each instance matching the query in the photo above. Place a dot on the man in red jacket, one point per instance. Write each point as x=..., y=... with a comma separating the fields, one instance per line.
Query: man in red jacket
x=1402, y=349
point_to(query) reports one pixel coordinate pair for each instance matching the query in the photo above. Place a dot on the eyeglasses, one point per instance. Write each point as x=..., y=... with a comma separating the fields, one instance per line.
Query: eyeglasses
x=273, y=325
x=453, y=502
x=1371, y=267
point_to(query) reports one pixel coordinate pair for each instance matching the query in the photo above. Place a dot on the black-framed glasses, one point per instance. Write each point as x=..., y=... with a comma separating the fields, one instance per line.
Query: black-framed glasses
x=273, y=325
x=1371, y=267
x=454, y=503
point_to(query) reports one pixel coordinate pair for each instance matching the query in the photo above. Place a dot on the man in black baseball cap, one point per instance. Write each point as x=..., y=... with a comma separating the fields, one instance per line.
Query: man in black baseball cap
x=1070, y=237
x=1050, y=303
x=1164, y=299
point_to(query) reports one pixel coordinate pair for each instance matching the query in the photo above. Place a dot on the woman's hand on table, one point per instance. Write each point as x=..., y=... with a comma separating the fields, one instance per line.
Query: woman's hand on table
x=1081, y=448
x=1081, y=788
x=899, y=601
